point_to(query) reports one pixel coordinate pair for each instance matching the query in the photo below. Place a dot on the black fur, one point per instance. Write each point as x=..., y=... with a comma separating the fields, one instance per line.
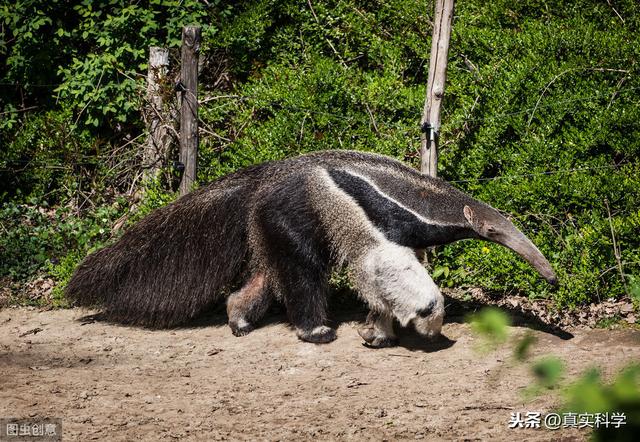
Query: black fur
x=174, y=263
x=295, y=248
x=397, y=223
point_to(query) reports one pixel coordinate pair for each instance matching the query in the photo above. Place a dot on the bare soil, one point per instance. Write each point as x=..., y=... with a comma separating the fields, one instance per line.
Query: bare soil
x=112, y=382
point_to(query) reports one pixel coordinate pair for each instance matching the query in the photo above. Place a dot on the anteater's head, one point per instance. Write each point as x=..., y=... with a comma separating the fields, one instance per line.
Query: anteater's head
x=490, y=225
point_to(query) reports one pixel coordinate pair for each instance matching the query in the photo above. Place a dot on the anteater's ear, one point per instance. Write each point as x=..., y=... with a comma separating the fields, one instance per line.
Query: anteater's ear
x=469, y=215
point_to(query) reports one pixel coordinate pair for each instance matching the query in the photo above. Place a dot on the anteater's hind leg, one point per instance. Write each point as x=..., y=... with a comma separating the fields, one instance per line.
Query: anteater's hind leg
x=248, y=305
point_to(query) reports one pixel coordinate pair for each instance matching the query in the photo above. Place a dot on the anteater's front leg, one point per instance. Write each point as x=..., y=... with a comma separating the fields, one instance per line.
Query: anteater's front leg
x=290, y=246
x=378, y=330
x=395, y=284
x=304, y=290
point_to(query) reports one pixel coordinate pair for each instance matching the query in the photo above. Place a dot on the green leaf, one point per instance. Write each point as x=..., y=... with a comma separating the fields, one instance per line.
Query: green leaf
x=548, y=371
x=490, y=323
x=437, y=272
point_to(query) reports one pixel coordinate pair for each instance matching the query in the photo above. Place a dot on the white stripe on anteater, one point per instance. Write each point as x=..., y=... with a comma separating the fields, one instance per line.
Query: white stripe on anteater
x=373, y=185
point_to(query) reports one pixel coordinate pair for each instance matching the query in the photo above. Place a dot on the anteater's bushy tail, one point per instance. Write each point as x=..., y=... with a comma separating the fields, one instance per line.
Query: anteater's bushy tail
x=174, y=263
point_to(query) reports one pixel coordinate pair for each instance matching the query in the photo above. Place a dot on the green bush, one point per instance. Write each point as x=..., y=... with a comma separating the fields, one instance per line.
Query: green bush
x=540, y=117
x=91, y=53
x=590, y=394
x=48, y=160
x=37, y=238
x=540, y=120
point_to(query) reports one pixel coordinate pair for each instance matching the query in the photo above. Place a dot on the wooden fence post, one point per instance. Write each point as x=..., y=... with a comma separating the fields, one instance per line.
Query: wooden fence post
x=189, y=108
x=157, y=146
x=430, y=122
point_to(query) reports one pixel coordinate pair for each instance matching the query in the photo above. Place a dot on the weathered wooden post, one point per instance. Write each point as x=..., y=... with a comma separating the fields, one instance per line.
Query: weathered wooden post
x=430, y=122
x=157, y=145
x=189, y=109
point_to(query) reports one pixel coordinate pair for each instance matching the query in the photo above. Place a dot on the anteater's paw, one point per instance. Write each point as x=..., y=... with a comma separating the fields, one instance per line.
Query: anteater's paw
x=318, y=335
x=376, y=340
x=241, y=327
x=381, y=342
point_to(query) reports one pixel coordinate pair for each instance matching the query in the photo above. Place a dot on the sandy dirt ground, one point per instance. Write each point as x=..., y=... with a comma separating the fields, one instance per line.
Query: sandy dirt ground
x=111, y=382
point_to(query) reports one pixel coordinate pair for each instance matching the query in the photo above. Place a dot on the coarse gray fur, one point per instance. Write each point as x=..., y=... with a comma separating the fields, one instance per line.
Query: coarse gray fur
x=277, y=230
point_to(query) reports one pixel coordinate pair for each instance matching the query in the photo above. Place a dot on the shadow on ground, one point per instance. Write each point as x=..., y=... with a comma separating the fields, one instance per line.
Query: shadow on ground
x=458, y=310
x=345, y=306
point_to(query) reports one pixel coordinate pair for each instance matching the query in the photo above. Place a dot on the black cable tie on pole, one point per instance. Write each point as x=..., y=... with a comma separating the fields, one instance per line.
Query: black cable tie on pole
x=426, y=128
x=178, y=166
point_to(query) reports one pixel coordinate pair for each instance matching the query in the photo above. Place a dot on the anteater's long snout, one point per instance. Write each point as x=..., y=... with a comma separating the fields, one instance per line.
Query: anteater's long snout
x=523, y=246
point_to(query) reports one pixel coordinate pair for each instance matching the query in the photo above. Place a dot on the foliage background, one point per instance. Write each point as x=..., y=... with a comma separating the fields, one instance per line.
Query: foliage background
x=540, y=119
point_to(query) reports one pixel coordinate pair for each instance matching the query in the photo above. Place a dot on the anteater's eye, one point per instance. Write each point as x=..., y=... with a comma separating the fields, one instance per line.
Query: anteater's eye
x=491, y=230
